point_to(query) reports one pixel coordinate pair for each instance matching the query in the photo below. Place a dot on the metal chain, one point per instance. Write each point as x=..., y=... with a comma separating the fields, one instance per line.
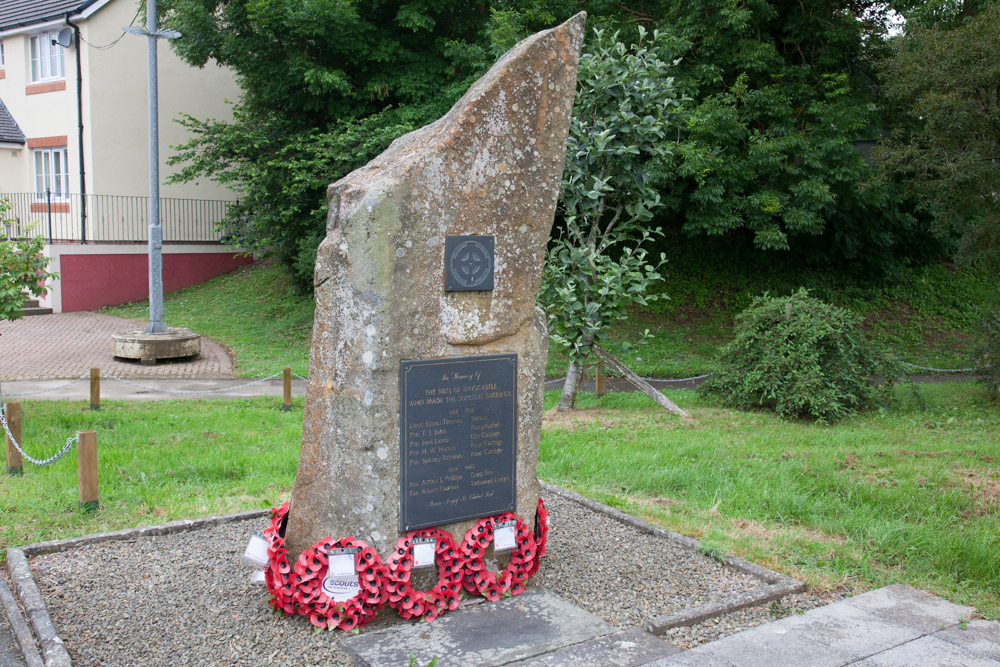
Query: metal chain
x=38, y=462
x=300, y=377
x=942, y=370
x=189, y=391
x=45, y=391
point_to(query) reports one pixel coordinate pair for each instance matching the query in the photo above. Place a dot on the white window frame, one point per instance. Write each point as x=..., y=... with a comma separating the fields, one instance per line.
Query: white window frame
x=45, y=58
x=47, y=163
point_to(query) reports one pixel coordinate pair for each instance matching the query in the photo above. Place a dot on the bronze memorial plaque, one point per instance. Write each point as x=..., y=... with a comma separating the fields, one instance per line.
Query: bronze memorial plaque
x=458, y=439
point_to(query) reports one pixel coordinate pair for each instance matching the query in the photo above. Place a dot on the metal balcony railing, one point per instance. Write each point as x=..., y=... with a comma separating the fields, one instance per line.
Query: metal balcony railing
x=111, y=218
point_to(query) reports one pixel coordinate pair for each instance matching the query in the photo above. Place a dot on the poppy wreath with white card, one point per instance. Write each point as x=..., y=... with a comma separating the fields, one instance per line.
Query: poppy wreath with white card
x=411, y=603
x=278, y=572
x=315, y=601
x=476, y=579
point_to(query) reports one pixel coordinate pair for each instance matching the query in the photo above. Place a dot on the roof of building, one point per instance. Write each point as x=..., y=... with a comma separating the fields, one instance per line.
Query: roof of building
x=10, y=133
x=22, y=13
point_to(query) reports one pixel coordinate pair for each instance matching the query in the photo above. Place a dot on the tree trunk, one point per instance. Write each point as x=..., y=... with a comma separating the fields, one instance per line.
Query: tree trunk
x=573, y=374
x=643, y=386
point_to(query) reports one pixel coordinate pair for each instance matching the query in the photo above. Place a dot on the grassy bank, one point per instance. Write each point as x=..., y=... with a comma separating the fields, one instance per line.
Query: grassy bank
x=254, y=311
x=926, y=317
x=909, y=494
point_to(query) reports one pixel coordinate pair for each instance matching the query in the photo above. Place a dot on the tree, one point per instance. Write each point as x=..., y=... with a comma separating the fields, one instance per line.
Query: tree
x=327, y=85
x=22, y=270
x=599, y=265
x=782, y=91
x=945, y=85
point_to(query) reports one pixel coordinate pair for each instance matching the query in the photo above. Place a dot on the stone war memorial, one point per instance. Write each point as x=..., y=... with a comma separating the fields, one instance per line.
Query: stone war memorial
x=424, y=403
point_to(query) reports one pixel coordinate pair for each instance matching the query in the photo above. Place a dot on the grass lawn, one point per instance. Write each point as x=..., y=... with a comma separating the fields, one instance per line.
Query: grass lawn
x=157, y=462
x=906, y=494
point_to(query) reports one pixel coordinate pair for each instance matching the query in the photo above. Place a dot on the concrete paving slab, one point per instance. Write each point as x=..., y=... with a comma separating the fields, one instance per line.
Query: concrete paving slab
x=912, y=608
x=628, y=648
x=928, y=651
x=838, y=634
x=498, y=633
x=979, y=636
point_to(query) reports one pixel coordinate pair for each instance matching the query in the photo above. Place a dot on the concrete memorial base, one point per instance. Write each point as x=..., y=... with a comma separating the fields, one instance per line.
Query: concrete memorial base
x=150, y=348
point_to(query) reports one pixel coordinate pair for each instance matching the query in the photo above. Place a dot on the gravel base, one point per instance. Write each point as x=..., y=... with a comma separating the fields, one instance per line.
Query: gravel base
x=183, y=598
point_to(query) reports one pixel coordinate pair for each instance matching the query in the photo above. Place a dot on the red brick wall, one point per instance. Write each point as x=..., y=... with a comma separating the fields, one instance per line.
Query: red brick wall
x=90, y=282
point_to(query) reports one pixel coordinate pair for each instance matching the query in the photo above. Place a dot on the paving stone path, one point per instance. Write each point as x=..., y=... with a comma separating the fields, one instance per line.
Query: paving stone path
x=68, y=345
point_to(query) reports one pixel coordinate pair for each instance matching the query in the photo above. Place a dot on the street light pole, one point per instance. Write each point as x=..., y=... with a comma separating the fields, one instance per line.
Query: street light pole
x=156, y=325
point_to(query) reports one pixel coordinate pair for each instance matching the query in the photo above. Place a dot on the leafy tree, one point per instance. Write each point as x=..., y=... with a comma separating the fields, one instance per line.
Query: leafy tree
x=327, y=85
x=783, y=88
x=945, y=85
x=22, y=270
x=599, y=265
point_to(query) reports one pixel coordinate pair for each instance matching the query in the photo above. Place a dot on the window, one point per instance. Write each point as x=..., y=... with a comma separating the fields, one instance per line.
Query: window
x=51, y=174
x=46, y=58
x=1, y=55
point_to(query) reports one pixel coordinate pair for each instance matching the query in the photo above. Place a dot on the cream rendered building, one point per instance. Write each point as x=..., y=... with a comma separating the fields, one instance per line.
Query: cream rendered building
x=74, y=85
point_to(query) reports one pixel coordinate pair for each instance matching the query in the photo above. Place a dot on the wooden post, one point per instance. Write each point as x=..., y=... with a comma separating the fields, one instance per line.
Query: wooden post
x=599, y=380
x=15, y=466
x=86, y=470
x=95, y=388
x=286, y=404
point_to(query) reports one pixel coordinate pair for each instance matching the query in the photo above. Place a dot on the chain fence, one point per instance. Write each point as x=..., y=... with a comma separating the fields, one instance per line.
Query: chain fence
x=50, y=389
x=70, y=442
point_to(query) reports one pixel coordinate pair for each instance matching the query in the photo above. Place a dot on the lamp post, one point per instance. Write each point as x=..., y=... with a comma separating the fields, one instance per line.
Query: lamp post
x=156, y=325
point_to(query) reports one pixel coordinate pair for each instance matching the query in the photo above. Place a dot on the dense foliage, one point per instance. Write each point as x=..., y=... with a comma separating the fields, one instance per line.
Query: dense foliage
x=781, y=91
x=944, y=83
x=326, y=86
x=800, y=357
x=22, y=270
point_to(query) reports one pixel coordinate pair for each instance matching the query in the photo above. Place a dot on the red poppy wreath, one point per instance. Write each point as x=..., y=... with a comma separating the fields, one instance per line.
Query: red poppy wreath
x=314, y=601
x=477, y=580
x=411, y=603
x=541, y=535
x=278, y=573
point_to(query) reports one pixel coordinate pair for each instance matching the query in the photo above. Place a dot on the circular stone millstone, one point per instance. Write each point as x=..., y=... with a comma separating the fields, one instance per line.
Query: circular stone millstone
x=148, y=348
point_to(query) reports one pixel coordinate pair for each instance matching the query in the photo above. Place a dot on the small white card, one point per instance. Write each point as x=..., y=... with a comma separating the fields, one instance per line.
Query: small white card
x=503, y=537
x=256, y=551
x=341, y=589
x=423, y=552
x=341, y=565
x=257, y=577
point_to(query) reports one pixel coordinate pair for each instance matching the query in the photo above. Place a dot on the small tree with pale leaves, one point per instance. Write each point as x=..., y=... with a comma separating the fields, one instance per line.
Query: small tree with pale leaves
x=599, y=266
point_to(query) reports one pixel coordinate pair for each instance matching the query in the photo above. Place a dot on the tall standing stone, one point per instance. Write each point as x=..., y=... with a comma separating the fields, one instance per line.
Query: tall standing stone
x=491, y=167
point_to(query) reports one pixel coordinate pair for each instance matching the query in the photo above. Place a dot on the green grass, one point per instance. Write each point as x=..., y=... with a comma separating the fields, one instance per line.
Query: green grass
x=254, y=311
x=905, y=494
x=925, y=317
x=157, y=462
x=909, y=493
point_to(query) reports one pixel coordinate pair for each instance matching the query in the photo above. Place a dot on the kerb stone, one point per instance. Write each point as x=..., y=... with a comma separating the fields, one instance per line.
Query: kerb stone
x=492, y=166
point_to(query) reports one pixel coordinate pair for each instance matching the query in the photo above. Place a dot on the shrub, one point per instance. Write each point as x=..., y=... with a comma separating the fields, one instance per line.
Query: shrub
x=987, y=356
x=800, y=357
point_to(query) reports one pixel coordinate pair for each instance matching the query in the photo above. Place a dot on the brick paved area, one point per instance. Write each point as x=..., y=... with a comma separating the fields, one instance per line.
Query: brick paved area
x=68, y=345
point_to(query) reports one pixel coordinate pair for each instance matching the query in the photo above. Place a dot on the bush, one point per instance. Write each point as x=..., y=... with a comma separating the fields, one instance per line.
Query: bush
x=800, y=357
x=987, y=356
